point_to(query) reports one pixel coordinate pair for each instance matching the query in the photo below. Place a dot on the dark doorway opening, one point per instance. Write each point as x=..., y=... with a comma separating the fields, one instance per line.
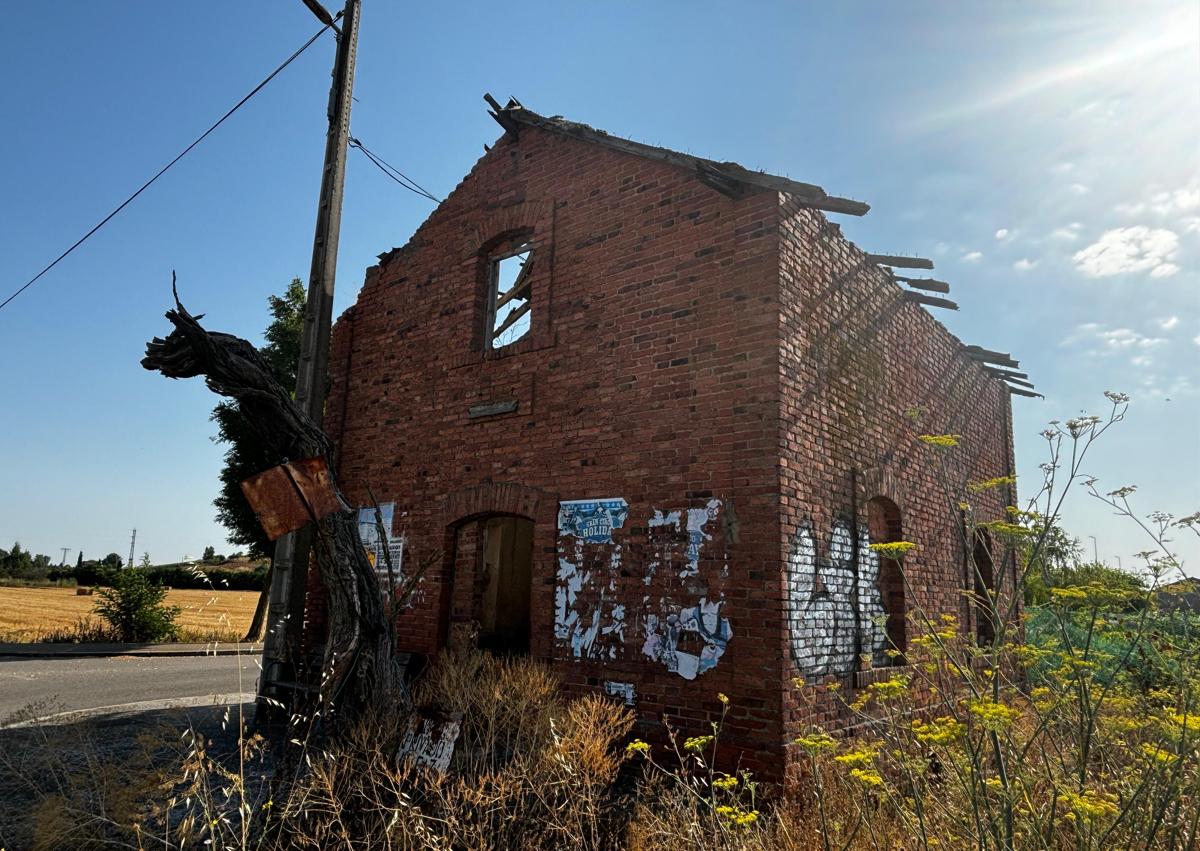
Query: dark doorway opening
x=504, y=581
x=884, y=526
x=985, y=591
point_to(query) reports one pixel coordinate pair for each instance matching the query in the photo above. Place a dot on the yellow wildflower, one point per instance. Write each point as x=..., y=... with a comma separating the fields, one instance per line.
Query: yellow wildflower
x=943, y=441
x=817, y=741
x=725, y=783
x=637, y=746
x=862, y=756
x=989, y=484
x=992, y=715
x=867, y=776
x=1089, y=804
x=893, y=549
x=697, y=743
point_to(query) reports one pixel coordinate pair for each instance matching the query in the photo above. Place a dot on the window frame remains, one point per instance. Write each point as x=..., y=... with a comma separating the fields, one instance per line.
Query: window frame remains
x=521, y=289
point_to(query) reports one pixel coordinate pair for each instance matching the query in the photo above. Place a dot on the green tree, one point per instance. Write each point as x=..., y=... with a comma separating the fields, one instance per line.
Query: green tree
x=246, y=455
x=134, y=608
x=79, y=561
x=112, y=561
x=209, y=555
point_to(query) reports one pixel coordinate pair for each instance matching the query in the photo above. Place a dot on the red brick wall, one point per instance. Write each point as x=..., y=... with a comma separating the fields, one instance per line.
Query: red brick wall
x=650, y=375
x=856, y=361
x=715, y=363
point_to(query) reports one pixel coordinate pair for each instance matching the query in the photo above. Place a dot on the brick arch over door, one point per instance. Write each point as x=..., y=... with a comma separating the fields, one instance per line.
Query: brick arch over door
x=504, y=499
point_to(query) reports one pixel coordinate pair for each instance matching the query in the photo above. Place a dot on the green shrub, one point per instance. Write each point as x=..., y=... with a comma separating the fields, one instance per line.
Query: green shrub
x=133, y=606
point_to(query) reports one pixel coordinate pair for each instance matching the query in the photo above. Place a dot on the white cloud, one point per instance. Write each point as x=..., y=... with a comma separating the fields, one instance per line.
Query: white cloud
x=1002, y=233
x=1196, y=339
x=1024, y=264
x=1132, y=249
x=972, y=257
x=1104, y=340
x=1070, y=233
x=1079, y=188
x=1167, y=203
x=1191, y=224
x=1168, y=323
x=1124, y=338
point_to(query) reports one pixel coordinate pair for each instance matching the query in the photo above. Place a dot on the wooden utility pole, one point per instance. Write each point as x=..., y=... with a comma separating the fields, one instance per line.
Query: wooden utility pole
x=285, y=606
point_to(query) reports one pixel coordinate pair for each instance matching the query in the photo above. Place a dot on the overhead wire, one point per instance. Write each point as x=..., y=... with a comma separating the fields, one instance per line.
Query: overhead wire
x=394, y=173
x=167, y=167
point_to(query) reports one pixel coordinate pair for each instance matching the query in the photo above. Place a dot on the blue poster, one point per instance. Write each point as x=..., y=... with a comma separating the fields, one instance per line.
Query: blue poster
x=592, y=520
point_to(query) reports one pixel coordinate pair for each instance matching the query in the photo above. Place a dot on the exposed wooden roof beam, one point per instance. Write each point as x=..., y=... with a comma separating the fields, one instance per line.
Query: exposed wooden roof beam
x=929, y=300
x=1018, y=391
x=899, y=261
x=988, y=356
x=930, y=284
x=728, y=178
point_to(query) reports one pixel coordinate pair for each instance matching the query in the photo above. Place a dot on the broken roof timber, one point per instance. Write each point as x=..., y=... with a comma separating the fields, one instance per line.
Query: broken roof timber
x=930, y=284
x=1003, y=373
x=931, y=301
x=1005, y=377
x=988, y=356
x=899, y=261
x=1018, y=391
x=728, y=178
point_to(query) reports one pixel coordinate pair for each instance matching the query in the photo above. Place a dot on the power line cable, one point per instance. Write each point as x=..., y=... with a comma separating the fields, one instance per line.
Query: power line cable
x=165, y=168
x=394, y=173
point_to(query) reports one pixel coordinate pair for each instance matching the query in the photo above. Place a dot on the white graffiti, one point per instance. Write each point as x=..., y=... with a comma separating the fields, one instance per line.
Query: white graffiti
x=824, y=630
x=701, y=624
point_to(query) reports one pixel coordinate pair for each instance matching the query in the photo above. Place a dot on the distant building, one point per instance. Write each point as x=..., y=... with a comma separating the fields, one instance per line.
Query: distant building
x=645, y=412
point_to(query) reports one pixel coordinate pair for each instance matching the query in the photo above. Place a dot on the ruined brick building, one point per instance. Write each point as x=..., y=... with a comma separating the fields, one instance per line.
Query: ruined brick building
x=642, y=413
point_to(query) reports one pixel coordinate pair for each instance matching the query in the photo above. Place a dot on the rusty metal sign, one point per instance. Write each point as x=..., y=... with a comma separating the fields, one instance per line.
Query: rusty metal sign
x=292, y=495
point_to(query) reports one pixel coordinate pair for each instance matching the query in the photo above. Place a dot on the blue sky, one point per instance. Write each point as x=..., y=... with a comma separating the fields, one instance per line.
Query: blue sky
x=1043, y=154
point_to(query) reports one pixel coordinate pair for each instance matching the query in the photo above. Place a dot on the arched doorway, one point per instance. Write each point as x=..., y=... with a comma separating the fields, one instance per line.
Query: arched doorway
x=493, y=581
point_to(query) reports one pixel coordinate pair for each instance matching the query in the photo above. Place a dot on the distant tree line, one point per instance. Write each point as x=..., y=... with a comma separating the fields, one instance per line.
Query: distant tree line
x=18, y=563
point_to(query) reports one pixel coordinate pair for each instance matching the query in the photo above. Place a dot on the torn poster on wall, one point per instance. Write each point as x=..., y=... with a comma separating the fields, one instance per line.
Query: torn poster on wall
x=592, y=520
x=587, y=612
x=698, y=520
x=688, y=641
x=622, y=690
x=824, y=629
x=368, y=533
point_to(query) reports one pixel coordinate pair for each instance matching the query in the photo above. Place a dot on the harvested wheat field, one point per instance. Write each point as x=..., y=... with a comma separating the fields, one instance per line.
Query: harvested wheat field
x=32, y=614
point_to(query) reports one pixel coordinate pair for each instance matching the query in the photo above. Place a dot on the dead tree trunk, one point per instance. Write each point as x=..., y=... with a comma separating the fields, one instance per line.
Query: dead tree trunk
x=359, y=664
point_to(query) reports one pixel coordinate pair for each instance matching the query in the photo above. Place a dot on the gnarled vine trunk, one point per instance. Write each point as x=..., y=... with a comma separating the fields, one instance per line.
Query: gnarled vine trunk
x=359, y=663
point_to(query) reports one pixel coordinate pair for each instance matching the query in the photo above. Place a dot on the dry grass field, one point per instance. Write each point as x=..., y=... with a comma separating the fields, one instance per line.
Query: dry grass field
x=28, y=614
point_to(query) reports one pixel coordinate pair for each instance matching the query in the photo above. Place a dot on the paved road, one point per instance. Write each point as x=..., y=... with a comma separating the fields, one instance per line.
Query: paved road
x=48, y=686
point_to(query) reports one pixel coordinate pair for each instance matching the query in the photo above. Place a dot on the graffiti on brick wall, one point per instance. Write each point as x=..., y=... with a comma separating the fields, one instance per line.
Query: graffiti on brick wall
x=823, y=627
x=587, y=613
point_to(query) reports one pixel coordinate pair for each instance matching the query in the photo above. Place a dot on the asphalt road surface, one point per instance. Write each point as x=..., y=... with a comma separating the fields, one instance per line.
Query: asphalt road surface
x=44, y=687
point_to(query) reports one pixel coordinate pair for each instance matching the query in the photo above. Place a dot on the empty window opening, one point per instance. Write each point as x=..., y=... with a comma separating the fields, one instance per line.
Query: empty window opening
x=509, y=291
x=985, y=590
x=884, y=526
x=505, y=582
